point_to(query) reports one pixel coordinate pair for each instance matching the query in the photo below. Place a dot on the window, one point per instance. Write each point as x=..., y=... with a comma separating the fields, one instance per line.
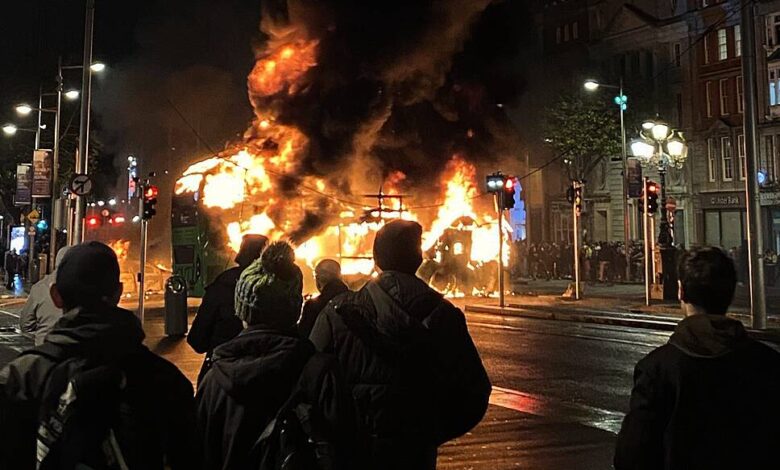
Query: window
x=724, y=96
x=558, y=35
x=742, y=158
x=738, y=40
x=575, y=30
x=772, y=29
x=726, y=160
x=768, y=163
x=708, y=98
x=679, y=110
x=706, y=44
x=774, y=86
x=677, y=54
x=740, y=95
x=711, y=159
x=723, y=49
x=566, y=33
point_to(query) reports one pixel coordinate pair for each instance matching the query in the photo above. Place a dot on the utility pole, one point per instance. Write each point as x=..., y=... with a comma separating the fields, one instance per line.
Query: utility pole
x=755, y=231
x=86, y=92
x=55, y=174
x=624, y=159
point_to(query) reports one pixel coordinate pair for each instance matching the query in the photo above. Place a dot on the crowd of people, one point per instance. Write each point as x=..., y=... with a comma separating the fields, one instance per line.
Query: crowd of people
x=377, y=378
x=599, y=261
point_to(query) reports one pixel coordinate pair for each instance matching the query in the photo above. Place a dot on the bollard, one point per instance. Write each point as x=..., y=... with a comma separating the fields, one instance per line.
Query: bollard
x=176, y=306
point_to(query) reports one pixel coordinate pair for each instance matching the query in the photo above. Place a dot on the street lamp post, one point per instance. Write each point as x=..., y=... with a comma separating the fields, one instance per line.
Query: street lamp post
x=660, y=146
x=621, y=100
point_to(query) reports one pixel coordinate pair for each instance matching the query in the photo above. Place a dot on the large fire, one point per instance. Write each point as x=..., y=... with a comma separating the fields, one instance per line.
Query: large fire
x=244, y=186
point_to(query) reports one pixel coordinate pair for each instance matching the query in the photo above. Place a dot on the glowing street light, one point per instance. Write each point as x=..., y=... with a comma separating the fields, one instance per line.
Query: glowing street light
x=24, y=109
x=72, y=94
x=10, y=129
x=591, y=85
x=97, y=67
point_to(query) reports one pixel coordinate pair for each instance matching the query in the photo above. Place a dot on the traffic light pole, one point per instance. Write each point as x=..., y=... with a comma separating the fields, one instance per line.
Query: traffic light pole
x=576, y=237
x=142, y=270
x=500, y=207
x=647, y=236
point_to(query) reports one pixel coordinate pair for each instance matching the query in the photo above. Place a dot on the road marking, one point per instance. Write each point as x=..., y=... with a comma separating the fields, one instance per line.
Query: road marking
x=538, y=405
x=569, y=335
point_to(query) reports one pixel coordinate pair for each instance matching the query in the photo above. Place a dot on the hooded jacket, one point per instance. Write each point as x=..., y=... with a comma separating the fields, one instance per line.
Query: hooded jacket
x=415, y=374
x=708, y=399
x=158, y=409
x=251, y=377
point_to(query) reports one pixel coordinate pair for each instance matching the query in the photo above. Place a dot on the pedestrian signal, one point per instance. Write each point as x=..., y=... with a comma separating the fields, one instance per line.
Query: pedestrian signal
x=149, y=202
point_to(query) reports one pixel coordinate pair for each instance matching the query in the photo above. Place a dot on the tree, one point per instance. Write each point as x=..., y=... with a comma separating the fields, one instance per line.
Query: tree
x=583, y=131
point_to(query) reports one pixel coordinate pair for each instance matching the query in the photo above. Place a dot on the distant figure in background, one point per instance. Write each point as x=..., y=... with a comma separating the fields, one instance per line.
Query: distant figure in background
x=327, y=275
x=708, y=398
x=216, y=322
x=39, y=314
x=10, y=268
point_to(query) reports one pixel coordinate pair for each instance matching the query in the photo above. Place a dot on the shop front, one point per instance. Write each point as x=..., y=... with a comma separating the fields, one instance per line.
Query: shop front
x=770, y=209
x=724, y=219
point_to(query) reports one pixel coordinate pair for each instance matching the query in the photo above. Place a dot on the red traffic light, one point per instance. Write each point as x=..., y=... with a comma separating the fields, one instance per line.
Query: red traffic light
x=93, y=221
x=150, y=192
x=509, y=183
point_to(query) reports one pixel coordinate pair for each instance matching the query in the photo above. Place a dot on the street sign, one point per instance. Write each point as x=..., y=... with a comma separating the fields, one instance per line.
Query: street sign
x=81, y=185
x=34, y=216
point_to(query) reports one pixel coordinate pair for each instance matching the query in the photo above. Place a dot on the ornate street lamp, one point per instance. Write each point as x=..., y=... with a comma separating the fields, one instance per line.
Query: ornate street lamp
x=660, y=146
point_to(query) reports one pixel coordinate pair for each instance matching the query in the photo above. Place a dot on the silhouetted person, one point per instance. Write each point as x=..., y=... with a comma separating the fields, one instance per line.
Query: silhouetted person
x=708, y=399
x=254, y=373
x=11, y=263
x=216, y=322
x=39, y=314
x=92, y=391
x=416, y=377
x=327, y=276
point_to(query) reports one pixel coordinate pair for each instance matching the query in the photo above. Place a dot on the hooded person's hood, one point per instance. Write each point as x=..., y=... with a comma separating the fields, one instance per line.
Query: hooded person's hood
x=708, y=336
x=258, y=362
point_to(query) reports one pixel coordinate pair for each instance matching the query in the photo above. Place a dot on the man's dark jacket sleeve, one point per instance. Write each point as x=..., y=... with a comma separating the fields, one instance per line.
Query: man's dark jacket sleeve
x=202, y=330
x=639, y=443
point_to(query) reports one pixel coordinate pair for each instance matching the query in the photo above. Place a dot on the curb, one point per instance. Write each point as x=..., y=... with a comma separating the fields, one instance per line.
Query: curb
x=601, y=317
x=564, y=315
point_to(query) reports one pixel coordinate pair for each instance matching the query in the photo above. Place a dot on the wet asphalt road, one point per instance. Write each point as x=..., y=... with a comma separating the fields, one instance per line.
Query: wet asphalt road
x=560, y=392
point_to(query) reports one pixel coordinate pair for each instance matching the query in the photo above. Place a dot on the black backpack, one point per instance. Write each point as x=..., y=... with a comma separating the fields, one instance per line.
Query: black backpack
x=79, y=417
x=298, y=436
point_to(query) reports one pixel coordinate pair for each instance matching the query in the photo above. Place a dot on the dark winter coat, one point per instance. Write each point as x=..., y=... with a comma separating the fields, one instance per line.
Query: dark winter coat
x=158, y=410
x=216, y=321
x=415, y=375
x=706, y=400
x=313, y=307
x=251, y=377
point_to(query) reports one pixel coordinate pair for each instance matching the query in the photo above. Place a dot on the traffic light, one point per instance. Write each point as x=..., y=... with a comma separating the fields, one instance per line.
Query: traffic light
x=577, y=199
x=148, y=209
x=652, y=190
x=495, y=182
x=509, y=192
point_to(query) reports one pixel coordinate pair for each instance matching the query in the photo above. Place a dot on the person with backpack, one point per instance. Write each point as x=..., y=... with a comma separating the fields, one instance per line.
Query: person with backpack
x=92, y=395
x=265, y=374
x=215, y=323
x=416, y=377
x=708, y=399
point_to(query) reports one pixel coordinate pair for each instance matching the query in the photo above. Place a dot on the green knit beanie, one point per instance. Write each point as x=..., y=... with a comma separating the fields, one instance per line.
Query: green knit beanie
x=269, y=290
